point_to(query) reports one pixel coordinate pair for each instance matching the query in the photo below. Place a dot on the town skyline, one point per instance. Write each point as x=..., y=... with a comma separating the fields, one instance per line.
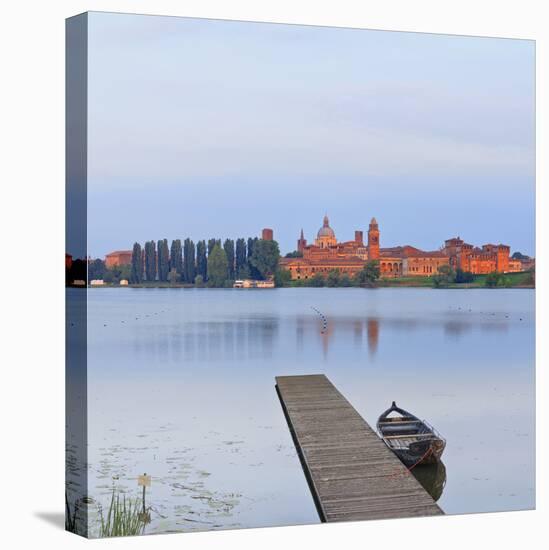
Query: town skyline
x=310, y=231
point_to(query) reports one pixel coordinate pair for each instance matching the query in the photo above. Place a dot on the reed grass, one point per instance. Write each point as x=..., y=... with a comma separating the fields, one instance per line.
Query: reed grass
x=124, y=518
x=70, y=516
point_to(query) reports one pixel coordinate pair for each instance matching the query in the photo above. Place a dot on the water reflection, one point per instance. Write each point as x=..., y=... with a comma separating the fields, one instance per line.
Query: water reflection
x=456, y=329
x=432, y=478
x=373, y=334
x=326, y=327
x=208, y=341
x=261, y=336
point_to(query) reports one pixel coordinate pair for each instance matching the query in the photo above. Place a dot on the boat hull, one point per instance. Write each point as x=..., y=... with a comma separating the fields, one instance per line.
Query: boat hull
x=421, y=452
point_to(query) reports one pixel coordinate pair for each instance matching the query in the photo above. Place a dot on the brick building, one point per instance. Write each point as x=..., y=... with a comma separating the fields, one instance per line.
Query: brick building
x=118, y=257
x=489, y=258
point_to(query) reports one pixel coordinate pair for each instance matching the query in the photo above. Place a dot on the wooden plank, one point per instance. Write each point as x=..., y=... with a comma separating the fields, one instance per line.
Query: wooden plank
x=351, y=472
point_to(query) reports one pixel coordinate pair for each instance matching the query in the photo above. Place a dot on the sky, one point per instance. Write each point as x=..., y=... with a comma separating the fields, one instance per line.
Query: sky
x=205, y=128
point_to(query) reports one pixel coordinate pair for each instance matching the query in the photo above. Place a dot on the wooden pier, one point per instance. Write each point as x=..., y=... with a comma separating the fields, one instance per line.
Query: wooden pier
x=351, y=472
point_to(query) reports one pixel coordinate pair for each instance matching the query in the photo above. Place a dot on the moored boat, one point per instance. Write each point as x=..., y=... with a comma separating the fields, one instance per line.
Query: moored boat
x=414, y=441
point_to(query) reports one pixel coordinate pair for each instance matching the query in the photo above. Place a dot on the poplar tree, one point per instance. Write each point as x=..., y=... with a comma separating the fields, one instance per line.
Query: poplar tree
x=228, y=246
x=212, y=243
x=201, y=260
x=251, y=242
x=137, y=264
x=240, y=260
x=150, y=260
x=163, y=260
x=176, y=257
x=189, y=272
x=254, y=273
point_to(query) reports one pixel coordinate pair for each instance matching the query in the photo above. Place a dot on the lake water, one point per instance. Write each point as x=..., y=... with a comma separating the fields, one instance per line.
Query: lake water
x=181, y=386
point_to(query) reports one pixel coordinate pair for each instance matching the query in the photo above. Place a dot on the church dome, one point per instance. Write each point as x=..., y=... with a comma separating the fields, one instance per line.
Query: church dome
x=326, y=230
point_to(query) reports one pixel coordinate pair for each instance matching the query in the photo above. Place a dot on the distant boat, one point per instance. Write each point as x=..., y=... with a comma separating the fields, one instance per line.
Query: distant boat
x=414, y=441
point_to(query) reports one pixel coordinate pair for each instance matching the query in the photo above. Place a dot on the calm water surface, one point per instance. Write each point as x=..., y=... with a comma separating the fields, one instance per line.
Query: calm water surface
x=181, y=386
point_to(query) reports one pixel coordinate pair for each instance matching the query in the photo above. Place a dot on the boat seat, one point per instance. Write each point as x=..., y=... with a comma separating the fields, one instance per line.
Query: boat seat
x=396, y=429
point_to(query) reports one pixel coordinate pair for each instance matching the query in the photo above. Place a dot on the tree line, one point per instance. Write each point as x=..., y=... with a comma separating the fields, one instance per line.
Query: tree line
x=212, y=262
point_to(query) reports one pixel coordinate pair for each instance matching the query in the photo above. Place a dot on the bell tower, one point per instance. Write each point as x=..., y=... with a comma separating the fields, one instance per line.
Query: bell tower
x=301, y=243
x=373, y=240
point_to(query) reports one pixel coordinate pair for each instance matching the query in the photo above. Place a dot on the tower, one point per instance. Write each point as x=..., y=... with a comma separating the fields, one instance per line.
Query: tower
x=267, y=234
x=373, y=240
x=502, y=258
x=301, y=242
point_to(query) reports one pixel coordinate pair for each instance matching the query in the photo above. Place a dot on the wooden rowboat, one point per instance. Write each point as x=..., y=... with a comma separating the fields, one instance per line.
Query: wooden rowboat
x=414, y=441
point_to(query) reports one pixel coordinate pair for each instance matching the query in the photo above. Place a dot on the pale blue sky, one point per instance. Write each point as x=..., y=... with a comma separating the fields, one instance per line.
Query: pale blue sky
x=207, y=128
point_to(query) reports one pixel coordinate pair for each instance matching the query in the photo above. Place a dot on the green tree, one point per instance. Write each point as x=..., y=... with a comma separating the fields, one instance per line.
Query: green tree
x=150, y=260
x=333, y=278
x=254, y=272
x=201, y=260
x=294, y=254
x=199, y=281
x=316, y=280
x=463, y=276
x=244, y=272
x=173, y=276
x=240, y=258
x=114, y=274
x=496, y=279
x=282, y=277
x=444, y=277
x=265, y=256
x=212, y=243
x=217, y=266
x=189, y=267
x=345, y=280
x=96, y=269
x=176, y=257
x=163, y=260
x=228, y=246
x=125, y=272
x=111, y=275
x=137, y=264
x=369, y=274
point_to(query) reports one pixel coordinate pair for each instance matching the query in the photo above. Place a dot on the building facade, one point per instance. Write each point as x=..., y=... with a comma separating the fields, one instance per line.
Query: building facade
x=488, y=259
x=118, y=257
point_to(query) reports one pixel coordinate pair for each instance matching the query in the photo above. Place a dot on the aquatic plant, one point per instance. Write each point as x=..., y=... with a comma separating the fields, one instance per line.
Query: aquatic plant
x=125, y=517
x=70, y=516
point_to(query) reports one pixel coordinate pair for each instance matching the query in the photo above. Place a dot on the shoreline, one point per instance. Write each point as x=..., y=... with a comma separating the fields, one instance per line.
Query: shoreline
x=464, y=286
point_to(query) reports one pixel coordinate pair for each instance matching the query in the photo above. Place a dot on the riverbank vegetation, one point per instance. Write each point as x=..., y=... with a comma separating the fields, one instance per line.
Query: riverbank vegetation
x=450, y=279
